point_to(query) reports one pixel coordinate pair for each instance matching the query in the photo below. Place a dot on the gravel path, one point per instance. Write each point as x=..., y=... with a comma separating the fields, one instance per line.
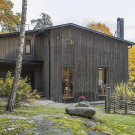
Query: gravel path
x=50, y=103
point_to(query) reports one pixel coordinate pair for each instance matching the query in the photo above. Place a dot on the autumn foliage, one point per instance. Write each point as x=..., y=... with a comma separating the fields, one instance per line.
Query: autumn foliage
x=8, y=19
x=131, y=67
x=101, y=27
x=24, y=93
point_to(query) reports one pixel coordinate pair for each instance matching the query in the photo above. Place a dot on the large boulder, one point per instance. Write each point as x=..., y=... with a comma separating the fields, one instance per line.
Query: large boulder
x=82, y=109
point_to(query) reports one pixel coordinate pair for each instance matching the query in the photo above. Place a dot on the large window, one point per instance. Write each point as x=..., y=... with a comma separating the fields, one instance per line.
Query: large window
x=27, y=46
x=102, y=80
x=67, y=82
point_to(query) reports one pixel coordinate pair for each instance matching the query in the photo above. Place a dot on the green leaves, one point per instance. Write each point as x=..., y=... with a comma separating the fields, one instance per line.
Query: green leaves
x=42, y=22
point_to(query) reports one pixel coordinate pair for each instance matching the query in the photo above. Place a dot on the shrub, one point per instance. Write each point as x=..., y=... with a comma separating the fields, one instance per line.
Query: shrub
x=24, y=93
x=123, y=90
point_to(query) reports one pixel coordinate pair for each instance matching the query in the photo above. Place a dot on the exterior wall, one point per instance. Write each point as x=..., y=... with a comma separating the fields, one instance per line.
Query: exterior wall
x=9, y=45
x=88, y=52
x=37, y=69
x=8, y=51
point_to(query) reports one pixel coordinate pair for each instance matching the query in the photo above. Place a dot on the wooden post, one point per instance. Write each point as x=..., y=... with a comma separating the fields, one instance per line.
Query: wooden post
x=106, y=85
x=108, y=99
x=114, y=105
x=126, y=106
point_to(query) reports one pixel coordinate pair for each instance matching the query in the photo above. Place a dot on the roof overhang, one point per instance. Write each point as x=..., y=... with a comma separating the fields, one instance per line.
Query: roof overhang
x=9, y=61
x=73, y=25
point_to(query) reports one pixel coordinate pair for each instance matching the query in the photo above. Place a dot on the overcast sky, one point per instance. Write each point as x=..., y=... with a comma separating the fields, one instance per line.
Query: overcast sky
x=84, y=11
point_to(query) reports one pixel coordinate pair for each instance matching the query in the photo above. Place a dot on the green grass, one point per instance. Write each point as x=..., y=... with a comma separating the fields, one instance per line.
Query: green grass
x=98, y=106
x=33, y=110
x=116, y=124
x=117, y=118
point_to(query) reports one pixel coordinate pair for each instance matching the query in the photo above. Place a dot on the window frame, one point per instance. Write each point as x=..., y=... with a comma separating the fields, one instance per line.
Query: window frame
x=106, y=78
x=30, y=46
x=72, y=90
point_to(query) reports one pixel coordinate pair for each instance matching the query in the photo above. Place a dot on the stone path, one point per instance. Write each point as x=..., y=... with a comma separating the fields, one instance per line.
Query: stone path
x=50, y=103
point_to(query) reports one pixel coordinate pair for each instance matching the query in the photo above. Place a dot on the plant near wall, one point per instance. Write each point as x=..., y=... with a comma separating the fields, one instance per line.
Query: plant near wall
x=123, y=90
x=24, y=93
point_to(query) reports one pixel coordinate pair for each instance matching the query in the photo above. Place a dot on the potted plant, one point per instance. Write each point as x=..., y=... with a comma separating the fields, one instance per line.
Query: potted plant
x=82, y=98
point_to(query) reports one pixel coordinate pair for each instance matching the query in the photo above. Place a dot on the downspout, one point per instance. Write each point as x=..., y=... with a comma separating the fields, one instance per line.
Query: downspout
x=49, y=43
x=49, y=62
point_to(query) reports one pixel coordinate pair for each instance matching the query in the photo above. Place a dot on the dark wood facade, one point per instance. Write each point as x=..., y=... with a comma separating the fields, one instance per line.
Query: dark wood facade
x=51, y=53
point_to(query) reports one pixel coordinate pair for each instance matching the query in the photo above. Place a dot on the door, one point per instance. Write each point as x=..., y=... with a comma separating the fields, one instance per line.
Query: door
x=102, y=80
x=67, y=82
x=30, y=75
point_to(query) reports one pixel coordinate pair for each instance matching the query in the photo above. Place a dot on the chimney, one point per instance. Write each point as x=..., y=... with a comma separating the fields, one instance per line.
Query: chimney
x=120, y=28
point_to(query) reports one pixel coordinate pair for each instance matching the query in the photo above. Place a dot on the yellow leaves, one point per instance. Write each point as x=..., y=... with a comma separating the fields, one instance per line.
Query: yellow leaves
x=123, y=90
x=7, y=18
x=131, y=67
x=24, y=93
x=101, y=27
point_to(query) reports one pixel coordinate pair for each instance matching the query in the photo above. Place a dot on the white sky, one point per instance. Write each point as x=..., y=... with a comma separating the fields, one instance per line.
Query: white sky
x=83, y=11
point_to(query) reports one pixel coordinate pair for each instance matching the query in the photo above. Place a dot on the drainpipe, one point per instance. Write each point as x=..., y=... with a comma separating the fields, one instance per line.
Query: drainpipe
x=49, y=43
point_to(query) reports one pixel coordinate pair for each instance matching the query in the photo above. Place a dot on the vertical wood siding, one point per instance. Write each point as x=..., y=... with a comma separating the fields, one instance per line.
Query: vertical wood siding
x=9, y=45
x=88, y=52
x=38, y=73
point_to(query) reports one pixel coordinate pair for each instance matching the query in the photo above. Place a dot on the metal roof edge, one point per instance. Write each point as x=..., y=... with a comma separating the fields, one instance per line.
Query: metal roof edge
x=75, y=25
x=87, y=29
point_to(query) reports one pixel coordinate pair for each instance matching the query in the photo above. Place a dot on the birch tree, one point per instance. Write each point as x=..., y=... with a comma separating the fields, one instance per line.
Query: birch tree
x=12, y=98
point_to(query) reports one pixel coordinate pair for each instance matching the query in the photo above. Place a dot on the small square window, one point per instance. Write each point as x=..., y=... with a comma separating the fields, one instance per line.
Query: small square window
x=27, y=46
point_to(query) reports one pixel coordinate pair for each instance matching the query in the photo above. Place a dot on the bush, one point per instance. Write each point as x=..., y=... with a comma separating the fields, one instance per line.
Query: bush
x=123, y=90
x=24, y=93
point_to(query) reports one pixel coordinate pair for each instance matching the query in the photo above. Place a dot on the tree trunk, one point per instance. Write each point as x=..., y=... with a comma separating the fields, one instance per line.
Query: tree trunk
x=12, y=98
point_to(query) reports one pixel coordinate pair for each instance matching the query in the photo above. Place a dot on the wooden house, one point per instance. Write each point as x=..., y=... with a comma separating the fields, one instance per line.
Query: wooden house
x=67, y=61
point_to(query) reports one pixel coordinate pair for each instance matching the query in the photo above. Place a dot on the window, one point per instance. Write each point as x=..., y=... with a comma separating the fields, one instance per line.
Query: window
x=102, y=80
x=67, y=82
x=27, y=46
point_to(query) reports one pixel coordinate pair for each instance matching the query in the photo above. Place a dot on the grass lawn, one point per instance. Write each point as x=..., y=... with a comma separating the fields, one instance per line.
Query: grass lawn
x=118, y=118
x=116, y=124
x=33, y=110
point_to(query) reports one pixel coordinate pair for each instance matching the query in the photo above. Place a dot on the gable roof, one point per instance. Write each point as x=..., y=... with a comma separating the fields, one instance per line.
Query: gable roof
x=74, y=25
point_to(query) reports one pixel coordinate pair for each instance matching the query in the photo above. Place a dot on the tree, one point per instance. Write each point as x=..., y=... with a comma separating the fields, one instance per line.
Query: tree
x=101, y=27
x=12, y=25
x=42, y=22
x=8, y=19
x=12, y=98
x=131, y=66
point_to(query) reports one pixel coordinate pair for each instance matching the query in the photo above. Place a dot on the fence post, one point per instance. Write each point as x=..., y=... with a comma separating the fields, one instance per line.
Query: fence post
x=105, y=86
x=114, y=105
x=126, y=106
x=108, y=99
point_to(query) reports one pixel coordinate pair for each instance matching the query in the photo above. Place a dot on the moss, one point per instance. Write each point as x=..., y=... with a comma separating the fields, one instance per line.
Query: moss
x=5, y=119
x=11, y=127
x=75, y=126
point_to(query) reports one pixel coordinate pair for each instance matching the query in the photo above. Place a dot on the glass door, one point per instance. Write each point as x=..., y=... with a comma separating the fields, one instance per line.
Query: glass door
x=102, y=80
x=67, y=82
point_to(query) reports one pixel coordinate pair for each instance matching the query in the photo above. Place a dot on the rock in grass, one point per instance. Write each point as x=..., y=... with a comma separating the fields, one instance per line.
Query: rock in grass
x=81, y=109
